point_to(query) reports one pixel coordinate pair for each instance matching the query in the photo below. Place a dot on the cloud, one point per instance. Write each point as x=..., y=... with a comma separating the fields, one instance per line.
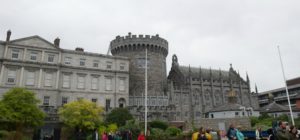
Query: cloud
x=202, y=33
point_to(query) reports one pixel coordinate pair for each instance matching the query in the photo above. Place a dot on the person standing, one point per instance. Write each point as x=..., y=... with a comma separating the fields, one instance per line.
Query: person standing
x=239, y=134
x=208, y=135
x=141, y=136
x=258, y=133
x=104, y=136
x=95, y=135
x=282, y=134
x=195, y=134
x=201, y=136
x=231, y=133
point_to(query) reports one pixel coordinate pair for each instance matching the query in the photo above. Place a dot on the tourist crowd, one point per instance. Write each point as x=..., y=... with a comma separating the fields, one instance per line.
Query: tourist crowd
x=280, y=131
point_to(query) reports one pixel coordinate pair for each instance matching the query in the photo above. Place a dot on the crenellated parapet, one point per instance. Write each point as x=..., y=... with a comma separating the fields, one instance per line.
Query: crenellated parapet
x=139, y=43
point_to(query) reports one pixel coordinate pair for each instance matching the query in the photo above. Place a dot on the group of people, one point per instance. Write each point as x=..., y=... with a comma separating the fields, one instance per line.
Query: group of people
x=205, y=134
x=126, y=135
x=283, y=132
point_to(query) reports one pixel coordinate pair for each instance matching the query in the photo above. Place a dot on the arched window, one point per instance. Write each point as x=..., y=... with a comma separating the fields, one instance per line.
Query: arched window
x=122, y=102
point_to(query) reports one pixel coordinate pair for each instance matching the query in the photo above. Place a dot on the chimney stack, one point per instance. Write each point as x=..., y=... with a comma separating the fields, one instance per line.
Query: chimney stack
x=56, y=42
x=8, y=34
x=79, y=49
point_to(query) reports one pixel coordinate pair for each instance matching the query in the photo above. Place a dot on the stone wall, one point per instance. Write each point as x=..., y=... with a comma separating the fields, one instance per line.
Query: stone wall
x=217, y=124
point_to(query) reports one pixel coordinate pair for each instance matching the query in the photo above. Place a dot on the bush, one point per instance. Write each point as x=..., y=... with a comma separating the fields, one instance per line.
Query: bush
x=173, y=131
x=157, y=134
x=158, y=124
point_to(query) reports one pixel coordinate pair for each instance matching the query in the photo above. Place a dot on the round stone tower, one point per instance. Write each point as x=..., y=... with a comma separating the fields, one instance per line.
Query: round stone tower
x=133, y=47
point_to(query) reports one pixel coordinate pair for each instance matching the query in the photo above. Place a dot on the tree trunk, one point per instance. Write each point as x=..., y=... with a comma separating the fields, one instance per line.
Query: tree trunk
x=18, y=135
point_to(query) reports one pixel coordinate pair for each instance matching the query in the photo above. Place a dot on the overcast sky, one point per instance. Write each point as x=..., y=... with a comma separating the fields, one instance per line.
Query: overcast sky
x=210, y=33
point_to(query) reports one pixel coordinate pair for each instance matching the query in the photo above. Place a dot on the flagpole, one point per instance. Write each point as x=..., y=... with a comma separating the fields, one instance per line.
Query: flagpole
x=286, y=88
x=146, y=87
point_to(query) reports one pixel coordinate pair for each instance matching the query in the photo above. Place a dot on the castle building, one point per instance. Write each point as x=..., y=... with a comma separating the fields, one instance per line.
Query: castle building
x=59, y=76
x=197, y=91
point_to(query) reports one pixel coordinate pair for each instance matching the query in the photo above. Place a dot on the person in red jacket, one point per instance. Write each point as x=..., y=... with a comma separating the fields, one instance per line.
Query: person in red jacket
x=141, y=136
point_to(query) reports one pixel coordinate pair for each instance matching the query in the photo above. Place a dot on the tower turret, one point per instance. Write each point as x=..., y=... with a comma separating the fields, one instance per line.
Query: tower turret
x=133, y=47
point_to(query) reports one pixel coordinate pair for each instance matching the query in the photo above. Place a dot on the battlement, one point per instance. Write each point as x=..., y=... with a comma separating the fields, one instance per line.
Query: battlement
x=134, y=42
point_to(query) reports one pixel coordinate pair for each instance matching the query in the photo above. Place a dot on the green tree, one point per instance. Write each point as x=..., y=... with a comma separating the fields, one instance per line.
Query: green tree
x=19, y=108
x=119, y=116
x=82, y=114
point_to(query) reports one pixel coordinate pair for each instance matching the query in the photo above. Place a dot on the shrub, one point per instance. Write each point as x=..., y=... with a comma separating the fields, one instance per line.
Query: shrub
x=173, y=131
x=157, y=134
x=158, y=124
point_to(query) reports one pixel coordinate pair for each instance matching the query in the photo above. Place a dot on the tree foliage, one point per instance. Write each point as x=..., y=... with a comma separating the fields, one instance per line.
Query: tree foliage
x=119, y=116
x=19, y=109
x=19, y=106
x=81, y=114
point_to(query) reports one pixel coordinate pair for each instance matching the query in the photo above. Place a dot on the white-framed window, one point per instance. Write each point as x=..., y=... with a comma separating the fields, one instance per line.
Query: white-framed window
x=51, y=58
x=33, y=56
x=80, y=82
x=68, y=60
x=95, y=83
x=109, y=65
x=48, y=79
x=108, y=83
x=82, y=62
x=15, y=54
x=46, y=100
x=11, y=76
x=64, y=100
x=30, y=78
x=66, y=81
x=95, y=63
x=122, y=84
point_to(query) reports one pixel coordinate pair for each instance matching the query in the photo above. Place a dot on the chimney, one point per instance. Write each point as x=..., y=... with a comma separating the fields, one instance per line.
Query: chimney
x=56, y=42
x=79, y=49
x=8, y=34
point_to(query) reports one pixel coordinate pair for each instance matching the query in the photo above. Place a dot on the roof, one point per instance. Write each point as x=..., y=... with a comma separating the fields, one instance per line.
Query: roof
x=227, y=107
x=274, y=107
x=208, y=73
x=279, y=89
x=293, y=81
